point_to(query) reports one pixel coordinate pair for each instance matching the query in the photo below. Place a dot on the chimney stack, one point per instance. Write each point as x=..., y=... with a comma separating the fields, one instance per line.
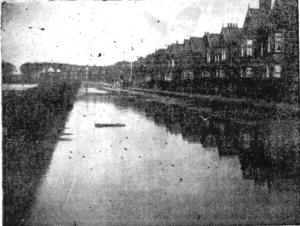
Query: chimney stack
x=265, y=5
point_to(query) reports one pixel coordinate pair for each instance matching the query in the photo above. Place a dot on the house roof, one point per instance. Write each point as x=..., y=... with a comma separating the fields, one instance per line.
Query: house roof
x=194, y=44
x=284, y=14
x=175, y=48
x=214, y=40
x=255, y=19
x=231, y=34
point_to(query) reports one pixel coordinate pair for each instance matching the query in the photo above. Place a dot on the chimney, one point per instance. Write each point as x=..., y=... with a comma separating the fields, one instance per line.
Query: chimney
x=265, y=5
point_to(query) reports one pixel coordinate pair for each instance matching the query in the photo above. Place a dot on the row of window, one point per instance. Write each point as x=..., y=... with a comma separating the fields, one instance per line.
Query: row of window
x=276, y=72
x=246, y=50
x=278, y=44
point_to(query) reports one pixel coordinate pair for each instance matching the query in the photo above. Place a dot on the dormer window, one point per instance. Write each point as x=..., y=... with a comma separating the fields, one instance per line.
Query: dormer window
x=278, y=42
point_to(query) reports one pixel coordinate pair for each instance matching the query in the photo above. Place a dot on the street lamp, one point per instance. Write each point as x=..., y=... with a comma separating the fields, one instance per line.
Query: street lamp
x=86, y=76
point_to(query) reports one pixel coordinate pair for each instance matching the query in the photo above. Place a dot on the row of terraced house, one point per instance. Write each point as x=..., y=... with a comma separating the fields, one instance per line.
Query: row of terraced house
x=259, y=60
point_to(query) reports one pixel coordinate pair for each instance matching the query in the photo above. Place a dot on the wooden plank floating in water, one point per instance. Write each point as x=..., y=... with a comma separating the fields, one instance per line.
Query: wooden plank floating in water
x=99, y=125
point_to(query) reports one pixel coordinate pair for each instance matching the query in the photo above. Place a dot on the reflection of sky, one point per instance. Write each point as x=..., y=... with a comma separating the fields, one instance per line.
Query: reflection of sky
x=94, y=179
x=75, y=32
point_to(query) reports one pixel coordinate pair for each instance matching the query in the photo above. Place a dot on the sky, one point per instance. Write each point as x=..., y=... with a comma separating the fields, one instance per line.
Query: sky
x=76, y=32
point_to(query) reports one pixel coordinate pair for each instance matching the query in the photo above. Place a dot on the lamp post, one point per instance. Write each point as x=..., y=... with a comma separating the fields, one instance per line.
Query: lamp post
x=86, y=76
x=130, y=79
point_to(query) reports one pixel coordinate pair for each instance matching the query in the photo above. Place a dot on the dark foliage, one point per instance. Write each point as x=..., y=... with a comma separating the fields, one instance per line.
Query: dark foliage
x=254, y=88
x=32, y=122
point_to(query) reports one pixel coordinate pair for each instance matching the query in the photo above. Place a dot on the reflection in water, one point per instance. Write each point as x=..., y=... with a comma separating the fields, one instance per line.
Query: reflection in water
x=268, y=151
x=168, y=166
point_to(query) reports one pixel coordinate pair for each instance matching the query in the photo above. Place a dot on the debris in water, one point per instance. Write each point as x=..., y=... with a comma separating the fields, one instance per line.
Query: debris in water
x=180, y=179
x=172, y=165
x=99, y=125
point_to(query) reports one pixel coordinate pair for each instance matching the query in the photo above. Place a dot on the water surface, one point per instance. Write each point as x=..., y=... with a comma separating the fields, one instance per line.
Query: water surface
x=167, y=166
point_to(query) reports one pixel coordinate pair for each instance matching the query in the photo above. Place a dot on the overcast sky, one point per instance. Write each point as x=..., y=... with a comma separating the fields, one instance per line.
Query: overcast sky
x=76, y=32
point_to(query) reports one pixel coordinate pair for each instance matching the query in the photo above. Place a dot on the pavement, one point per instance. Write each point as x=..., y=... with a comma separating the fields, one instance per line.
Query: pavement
x=284, y=107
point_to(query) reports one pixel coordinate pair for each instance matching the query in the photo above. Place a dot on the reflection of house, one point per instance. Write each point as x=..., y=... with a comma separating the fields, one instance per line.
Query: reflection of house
x=175, y=128
x=284, y=138
x=272, y=153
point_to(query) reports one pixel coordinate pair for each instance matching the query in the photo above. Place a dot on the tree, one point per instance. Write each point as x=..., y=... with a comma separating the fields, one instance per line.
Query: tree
x=7, y=71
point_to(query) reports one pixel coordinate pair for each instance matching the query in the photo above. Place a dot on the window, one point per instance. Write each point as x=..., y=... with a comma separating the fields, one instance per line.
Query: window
x=242, y=52
x=223, y=56
x=278, y=43
x=269, y=44
x=267, y=72
x=249, y=47
x=277, y=71
x=208, y=57
x=248, y=72
x=168, y=77
x=222, y=73
x=173, y=63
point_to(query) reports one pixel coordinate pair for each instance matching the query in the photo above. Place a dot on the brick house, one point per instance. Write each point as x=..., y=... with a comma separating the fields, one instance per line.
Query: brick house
x=230, y=41
x=254, y=41
x=283, y=45
x=213, y=53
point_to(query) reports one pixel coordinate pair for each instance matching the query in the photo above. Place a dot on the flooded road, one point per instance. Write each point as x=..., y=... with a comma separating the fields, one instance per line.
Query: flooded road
x=167, y=166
